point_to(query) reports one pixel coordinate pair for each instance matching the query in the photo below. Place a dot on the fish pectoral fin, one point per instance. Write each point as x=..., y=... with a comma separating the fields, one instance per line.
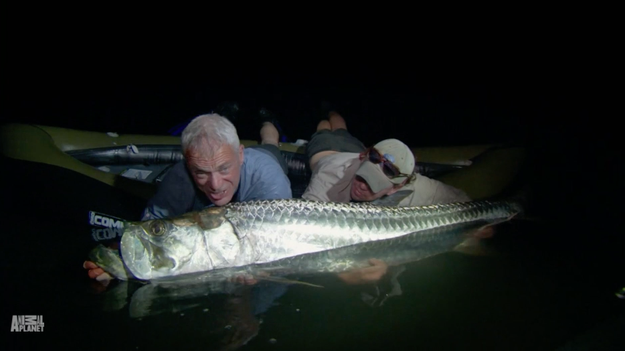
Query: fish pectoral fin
x=285, y=281
x=499, y=221
x=473, y=246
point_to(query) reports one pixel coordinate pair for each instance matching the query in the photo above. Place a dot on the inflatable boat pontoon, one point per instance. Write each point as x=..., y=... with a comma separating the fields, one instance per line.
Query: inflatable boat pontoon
x=70, y=172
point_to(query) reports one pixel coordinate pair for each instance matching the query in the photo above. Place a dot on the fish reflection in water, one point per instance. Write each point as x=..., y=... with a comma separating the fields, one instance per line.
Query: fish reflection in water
x=234, y=307
x=175, y=297
x=394, y=252
x=232, y=310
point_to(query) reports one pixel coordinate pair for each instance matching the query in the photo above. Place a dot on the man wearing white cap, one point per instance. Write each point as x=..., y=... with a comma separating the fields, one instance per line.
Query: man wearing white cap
x=371, y=174
x=344, y=170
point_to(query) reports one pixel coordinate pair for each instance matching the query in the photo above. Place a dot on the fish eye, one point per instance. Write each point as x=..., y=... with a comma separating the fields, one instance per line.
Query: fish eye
x=157, y=228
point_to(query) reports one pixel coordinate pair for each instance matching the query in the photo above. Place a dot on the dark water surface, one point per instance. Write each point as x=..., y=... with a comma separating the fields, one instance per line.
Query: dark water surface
x=535, y=290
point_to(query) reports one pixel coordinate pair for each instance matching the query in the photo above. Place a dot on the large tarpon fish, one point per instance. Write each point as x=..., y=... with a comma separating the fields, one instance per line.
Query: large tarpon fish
x=294, y=235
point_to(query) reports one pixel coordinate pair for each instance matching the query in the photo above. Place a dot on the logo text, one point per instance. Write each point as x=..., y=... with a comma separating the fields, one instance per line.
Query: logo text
x=27, y=323
x=105, y=221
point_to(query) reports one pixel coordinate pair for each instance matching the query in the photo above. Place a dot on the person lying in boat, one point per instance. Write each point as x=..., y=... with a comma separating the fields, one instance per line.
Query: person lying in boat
x=343, y=170
x=218, y=170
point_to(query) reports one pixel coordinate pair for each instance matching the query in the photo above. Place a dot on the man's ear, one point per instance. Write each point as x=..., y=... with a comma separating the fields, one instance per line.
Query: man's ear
x=241, y=155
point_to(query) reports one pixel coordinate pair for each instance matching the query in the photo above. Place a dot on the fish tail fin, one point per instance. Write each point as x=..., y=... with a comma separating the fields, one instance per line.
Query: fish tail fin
x=525, y=198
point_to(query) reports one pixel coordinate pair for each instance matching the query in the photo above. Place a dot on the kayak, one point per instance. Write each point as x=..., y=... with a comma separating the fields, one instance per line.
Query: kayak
x=115, y=173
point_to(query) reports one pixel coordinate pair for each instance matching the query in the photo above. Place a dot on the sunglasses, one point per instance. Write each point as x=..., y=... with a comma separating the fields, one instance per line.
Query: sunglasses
x=389, y=169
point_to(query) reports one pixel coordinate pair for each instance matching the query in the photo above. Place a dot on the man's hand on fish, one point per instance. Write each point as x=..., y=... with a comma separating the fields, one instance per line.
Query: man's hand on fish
x=97, y=273
x=485, y=232
x=246, y=280
x=365, y=275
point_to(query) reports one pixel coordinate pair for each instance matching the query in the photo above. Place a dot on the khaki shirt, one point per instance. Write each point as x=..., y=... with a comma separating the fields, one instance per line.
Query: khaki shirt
x=331, y=181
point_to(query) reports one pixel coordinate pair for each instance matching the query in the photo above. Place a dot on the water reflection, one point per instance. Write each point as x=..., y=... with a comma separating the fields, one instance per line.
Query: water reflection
x=235, y=307
x=230, y=313
x=539, y=292
x=232, y=310
x=181, y=292
x=144, y=300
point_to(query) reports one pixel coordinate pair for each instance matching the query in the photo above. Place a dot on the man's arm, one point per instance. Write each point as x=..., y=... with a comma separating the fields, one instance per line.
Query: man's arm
x=446, y=194
x=274, y=184
x=331, y=178
x=174, y=196
x=320, y=183
x=262, y=178
x=365, y=275
x=316, y=190
x=427, y=191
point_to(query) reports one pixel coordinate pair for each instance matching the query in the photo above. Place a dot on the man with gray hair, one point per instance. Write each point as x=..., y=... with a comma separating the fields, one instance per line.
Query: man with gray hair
x=217, y=170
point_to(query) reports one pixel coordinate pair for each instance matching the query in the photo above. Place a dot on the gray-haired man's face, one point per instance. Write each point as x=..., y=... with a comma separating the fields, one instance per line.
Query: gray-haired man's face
x=216, y=171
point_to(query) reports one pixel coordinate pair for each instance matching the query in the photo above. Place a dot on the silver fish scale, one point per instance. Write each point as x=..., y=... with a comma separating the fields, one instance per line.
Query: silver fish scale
x=366, y=217
x=279, y=228
x=393, y=251
x=259, y=232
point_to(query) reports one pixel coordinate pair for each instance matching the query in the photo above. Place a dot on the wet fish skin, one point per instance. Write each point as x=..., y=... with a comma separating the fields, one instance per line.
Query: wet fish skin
x=258, y=232
x=395, y=251
x=181, y=292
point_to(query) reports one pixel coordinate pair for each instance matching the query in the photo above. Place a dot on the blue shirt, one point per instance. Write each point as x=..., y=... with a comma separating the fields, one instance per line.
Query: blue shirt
x=261, y=178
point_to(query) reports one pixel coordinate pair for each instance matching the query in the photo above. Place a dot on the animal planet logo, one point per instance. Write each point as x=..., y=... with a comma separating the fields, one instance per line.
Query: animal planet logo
x=111, y=227
x=27, y=323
